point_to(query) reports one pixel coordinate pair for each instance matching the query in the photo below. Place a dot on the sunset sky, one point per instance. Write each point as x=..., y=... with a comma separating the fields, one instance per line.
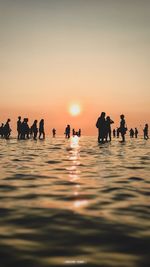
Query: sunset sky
x=54, y=53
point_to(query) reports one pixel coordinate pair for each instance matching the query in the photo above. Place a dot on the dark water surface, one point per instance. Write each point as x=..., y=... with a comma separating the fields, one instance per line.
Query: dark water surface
x=74, y=202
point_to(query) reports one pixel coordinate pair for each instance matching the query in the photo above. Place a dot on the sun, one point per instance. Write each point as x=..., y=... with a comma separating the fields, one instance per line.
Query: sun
x=75, y=109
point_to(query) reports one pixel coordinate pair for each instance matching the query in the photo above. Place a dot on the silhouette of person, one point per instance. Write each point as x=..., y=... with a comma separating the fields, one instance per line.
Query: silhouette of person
x=123, y=127
x=54, y=132
x=145, y=130
x=41, y=129
x=2, y=130
x=73, y=132
x=25, y=129
x=114, y=133
x=34, y=129
x=79, y=132
x=7, y=129
x=101, y=125
x=136, y=132
x=67, y=131
x=131, y=131
x=19, y=127
x=108, y=127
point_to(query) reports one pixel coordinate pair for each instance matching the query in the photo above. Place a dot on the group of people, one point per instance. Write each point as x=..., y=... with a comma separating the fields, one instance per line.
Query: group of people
x=74, y=132
x=133, y=133
x=25, y=131
x=104, y=129
x=5, y=129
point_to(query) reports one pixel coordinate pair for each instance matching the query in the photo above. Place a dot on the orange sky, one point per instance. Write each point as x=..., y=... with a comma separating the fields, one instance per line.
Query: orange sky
x=95, y=53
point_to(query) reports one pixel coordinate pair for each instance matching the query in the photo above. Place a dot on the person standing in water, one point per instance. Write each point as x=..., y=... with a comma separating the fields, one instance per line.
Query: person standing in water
x=67, y=131
x=19, y=127
x=101, y=126
x=54, y=132
x=41, y=129
x=108, y=128
x=34, y=130
x=131, y=131
x=7, y=129
x=145, y=130
x=136, y=132
x=123, y=127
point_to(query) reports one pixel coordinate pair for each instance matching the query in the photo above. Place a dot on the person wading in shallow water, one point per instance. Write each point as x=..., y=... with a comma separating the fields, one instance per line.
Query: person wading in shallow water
x=145, y=130
x=136, y=132
x=123, y=127
x=34, y=130
x=101, y=125
x=54, y=132
x=7, y=129
x=41, y=129
x=67, y=131
x=19, y=127
x=108, y=128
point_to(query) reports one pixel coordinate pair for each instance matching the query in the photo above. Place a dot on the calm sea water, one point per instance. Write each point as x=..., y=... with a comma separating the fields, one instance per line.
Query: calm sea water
x=74, y=202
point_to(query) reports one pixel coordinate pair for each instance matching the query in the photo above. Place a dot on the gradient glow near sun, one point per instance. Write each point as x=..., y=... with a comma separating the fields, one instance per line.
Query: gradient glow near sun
x=75, y=109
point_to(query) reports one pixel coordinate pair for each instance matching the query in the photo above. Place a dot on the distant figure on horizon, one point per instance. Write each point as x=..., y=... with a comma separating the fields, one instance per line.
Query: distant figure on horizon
x=136, y=132
x=101, y=126
x=41, y=129
x=131, y=131
x=19, y=127
x=54, y=132
x=114, y=133
x=67, y=131
x=145, y=130
x=108, y=123
x=34, y=130
x=123, y=127
x=7, y=129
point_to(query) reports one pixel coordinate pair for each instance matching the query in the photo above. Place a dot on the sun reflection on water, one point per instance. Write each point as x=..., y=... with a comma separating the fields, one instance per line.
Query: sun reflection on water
x=74, y=174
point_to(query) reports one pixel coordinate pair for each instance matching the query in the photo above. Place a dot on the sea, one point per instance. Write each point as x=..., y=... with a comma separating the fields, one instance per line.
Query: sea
x=74, y=202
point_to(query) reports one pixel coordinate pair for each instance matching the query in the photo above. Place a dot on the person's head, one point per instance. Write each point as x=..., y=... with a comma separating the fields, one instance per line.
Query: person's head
x=35, y=121
x=19, y=118
x=108, y=118
x=8, y=120
x=26, y=120
x=103, y=115
x=122, y=116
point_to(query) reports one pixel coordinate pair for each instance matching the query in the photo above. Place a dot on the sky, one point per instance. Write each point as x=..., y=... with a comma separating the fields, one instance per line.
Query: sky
x=54, y=53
